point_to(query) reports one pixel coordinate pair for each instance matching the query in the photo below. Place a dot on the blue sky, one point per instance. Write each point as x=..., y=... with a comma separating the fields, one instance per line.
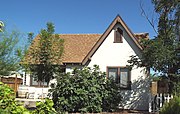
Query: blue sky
x=74, y=16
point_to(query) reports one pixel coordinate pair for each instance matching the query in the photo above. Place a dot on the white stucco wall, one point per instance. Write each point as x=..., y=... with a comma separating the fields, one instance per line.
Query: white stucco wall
x=117, y=54
x=70, y=67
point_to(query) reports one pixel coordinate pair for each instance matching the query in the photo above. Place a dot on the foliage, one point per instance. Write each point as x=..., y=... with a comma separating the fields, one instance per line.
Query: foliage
x=86, y=90
x=47, y=54
x=112, y=96
x=173, y=107
x=1, y=26
x=160, y=53
x=8, y=57
x=45, y=107
x=8, y=105
x=7, y=102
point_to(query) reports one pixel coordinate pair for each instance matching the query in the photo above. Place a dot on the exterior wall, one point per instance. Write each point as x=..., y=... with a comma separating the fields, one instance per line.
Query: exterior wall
x=27, y=82
x=117, y=54
x=70, y=67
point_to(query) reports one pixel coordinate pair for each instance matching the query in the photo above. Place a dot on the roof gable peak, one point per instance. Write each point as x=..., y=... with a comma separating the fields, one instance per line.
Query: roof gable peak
x=116, y=20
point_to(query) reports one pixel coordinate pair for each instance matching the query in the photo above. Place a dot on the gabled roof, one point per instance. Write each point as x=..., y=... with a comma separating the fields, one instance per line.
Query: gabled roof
x=79, y=48
x=118, y=19
x=76, y=47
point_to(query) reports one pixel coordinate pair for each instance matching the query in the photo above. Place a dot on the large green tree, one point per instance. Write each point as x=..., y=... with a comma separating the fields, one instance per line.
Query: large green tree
x=9, y=58
x=47, y=54
x=161, y=53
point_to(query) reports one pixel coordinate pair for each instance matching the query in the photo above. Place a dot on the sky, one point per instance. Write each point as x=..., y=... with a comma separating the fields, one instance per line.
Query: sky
x=74, y=16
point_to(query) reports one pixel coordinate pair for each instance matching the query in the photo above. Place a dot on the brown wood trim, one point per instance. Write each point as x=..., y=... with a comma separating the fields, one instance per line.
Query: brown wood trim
x=115, y=35
x=130, y=33
x=118, y=19
x=119, y=68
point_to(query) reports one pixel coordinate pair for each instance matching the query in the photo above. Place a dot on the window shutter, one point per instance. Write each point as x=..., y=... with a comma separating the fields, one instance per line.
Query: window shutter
x=118, y=36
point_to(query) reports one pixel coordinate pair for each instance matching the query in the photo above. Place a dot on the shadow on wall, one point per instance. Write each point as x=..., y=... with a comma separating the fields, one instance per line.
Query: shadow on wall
x=138, y=97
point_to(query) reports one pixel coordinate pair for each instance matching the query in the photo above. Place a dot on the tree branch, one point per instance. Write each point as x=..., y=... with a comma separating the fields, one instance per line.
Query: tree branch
x=143, y=13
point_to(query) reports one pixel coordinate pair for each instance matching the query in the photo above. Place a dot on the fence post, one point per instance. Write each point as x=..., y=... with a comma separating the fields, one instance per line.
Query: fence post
x=15, y=84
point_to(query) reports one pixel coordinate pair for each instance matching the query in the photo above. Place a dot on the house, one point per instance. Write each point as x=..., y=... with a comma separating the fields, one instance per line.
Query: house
x=111, y=51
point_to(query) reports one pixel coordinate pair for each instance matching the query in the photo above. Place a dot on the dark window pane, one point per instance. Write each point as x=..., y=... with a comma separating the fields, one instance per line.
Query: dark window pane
x=113, y=73
x=34, y=82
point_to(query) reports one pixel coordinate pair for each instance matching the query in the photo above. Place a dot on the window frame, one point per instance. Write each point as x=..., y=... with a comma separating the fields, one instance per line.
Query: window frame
x=116, y=38
x=118, y=74
x=39, y=83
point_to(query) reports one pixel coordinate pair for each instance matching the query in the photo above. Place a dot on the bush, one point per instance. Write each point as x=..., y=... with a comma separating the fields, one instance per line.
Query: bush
x=173, y=107
x=112, y=98
x=45, y=107
x=7, y=101
x=85, y=91
x=8, y=105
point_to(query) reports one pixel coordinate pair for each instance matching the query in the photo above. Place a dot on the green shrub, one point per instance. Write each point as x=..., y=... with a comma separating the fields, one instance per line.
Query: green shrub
x=84, y=91
x=45, y=107
x=112, y=97
x=8, y=105
x=173, y=107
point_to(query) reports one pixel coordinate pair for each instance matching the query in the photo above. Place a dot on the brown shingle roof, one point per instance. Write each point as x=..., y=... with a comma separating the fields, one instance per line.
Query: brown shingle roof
x=140, y=36
x=77, y=46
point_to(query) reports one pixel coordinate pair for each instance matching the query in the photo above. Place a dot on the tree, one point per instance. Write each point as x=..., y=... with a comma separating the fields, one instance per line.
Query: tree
x=160, y=53
x=86, y=90
x=173, y=107
x=9, y=59
x=47, y=54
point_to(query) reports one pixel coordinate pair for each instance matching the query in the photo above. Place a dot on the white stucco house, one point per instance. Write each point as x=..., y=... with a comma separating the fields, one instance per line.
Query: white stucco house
x=111, y=51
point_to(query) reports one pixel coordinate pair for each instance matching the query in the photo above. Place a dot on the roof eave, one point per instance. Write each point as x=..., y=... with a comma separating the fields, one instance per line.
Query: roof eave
x=118, y=19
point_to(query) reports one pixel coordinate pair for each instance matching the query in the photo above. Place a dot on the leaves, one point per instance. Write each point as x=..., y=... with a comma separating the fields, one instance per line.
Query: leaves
x=46, y=54
x=45, y=107
x=160, y=53
x=8, y=105
x=7, y=102
x=173, y=107
x=85, y=91
x=9, y=61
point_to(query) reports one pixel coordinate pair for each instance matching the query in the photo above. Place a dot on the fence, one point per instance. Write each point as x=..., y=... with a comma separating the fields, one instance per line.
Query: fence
x=157, y=101
x=12, y=82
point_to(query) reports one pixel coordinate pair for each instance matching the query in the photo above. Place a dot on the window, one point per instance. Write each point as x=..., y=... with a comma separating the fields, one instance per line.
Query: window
x=118, y=34
x=121, y=76
x=34, y=82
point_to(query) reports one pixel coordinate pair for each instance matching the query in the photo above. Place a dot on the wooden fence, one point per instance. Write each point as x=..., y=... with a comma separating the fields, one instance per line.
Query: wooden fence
x=12, y=82
x=157, y=101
